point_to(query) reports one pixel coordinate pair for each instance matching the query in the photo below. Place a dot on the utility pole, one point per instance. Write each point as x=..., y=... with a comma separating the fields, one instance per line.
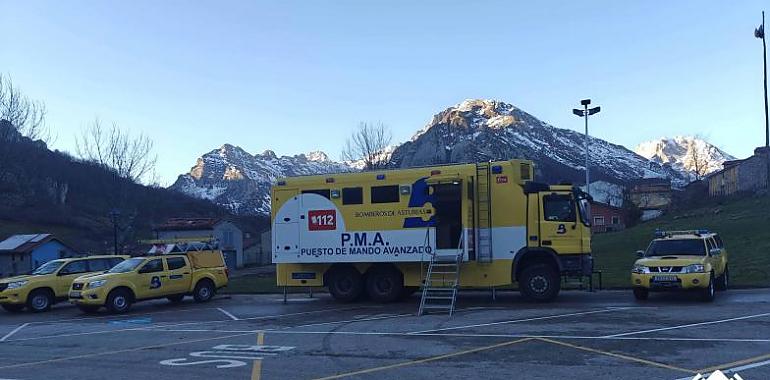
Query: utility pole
x=585, y=112
x=114, y=214
x=760, y=33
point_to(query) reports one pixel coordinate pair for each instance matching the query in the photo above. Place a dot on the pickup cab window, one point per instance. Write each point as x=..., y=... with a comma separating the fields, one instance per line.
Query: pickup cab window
x=175, y=263
x=152, y=266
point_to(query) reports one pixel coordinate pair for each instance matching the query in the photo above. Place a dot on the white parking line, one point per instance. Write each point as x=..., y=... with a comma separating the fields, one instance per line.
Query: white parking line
x=688, y=325
x=522, y=320
x=14, y=331
x=225, y=312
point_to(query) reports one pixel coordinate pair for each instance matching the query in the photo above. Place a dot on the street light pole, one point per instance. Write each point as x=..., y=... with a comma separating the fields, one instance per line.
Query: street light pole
x=585, y=112
x=760, y=33
x=114, y=213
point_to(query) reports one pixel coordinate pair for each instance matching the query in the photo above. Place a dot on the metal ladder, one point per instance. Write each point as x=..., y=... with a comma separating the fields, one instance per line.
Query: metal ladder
x=483, y=214
x=439, y=288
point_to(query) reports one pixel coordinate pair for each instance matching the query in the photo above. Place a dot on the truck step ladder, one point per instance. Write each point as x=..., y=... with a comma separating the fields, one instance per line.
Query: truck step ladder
x=483, y=213
x=439, y=288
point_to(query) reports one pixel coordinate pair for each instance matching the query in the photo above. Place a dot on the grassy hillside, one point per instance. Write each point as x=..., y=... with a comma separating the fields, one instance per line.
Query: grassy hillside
x=743, y=224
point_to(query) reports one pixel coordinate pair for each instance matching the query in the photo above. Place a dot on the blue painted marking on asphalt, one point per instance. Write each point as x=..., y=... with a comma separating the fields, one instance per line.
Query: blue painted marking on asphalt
x=135, y=321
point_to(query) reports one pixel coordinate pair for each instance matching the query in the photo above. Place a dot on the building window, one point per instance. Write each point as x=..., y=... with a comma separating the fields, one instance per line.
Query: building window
x=352, y=196
x=598, y=220
x=615, y=220
x=227, y=237
x=385, y=194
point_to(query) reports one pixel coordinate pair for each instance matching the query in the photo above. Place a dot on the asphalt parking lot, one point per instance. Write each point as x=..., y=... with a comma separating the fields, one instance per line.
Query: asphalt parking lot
x=602, y=335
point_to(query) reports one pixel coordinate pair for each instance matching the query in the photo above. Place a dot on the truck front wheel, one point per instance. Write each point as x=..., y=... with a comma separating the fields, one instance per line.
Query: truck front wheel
x=119, y=301
x=539, y=282
x=345, y=284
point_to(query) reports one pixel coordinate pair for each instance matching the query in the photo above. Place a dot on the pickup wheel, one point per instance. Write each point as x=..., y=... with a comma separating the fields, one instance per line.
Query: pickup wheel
x=708, y=294
x=345, y=283
x=88, y=309
x=384, y=284
x=13, y=308
x=176, y=298
x=722, y=281
x=119, y=301
x=641, y=294
x=40, y=300
x=204, y=290
x=539, y=282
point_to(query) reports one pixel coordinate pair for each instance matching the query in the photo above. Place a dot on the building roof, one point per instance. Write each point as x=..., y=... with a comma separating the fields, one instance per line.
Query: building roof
x=188, y=224
x=27, y=243
x=651, y=181
x=606, y=205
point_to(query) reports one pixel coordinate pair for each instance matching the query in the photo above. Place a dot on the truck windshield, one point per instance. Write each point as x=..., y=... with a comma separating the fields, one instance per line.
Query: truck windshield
x=693, y=247
x=49, y=267
x=127, y=265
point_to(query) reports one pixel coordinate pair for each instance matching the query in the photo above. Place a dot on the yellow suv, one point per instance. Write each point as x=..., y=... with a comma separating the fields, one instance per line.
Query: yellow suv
x=682, y=260
x=171, y=276
x=50, y=283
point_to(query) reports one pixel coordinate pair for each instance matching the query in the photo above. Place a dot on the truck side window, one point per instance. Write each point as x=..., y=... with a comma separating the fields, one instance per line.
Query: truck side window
x=326, y=193
x=99, y=265
x=558, y=208
x=152, y=266
x=74, y=267
x=352, y=196
x=385, y=194
x=175, y=262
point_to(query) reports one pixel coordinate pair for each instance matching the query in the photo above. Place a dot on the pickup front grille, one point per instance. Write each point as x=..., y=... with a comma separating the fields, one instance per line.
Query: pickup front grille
x=666, y=269
x=77, y=286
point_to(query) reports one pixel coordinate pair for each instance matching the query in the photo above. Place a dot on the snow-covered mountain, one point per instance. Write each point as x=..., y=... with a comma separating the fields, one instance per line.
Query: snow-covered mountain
x=689, y=154
x=240, y=181
x=481, y=130
x=472, y=131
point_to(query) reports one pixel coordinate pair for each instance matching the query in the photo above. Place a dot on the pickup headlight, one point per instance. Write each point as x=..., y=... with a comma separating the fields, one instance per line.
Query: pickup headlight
x=641, y=269
x=694, y=268
x=17, y=284
x=96, y=284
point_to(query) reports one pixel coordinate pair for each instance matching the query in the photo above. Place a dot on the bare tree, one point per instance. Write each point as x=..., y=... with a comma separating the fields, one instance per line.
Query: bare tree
x=24, y=114
x=699, y=160
x=368, y=144
x=131, y=157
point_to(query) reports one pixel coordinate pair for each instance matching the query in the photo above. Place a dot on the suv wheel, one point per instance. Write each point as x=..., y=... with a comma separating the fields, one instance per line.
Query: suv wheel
x=204, y=291
x=118, y=301
x=641, y=294
x=722, y=281
x=709, y=293
x=539, y=282
x=40, y=300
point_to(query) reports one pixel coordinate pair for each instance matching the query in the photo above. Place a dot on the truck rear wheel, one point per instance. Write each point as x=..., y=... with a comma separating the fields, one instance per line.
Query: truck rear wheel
x=384, y=284
x=204, y=290
x=345, y=284
x=539, y=282
x=119, y=301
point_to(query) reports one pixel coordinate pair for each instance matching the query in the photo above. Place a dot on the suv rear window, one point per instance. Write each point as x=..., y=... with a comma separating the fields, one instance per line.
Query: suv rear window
x=99, y=265
x=692, y=247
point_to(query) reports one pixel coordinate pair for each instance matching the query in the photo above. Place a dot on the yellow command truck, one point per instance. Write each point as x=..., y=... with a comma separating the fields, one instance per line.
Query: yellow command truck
x=171, y=276
x=375, y=232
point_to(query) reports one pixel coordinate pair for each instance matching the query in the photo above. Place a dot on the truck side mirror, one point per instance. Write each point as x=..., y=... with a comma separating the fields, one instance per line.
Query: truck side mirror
x=639, y=253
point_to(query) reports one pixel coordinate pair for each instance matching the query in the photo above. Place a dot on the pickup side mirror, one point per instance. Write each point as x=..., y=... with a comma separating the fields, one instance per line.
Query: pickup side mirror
x=640, y=253
x=715, y=251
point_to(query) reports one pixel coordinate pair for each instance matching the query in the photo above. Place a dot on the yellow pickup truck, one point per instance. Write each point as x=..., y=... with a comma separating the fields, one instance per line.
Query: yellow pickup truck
x=49, y=283
x=171, y=276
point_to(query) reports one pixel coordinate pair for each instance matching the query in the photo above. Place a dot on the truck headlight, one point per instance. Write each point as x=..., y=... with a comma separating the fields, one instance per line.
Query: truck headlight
x=694, y=268
x=96, y=284
x=641, y=269
x=17, y=284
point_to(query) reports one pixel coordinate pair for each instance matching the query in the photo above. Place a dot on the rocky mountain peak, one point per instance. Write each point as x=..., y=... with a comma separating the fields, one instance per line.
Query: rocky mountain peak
x=685, y=153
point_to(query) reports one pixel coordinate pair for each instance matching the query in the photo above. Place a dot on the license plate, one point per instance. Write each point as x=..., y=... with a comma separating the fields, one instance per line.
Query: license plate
x=664, y=278
x=75, y=295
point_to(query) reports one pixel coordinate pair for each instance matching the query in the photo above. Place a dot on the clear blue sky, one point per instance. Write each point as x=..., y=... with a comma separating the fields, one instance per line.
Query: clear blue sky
x=295, y=76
